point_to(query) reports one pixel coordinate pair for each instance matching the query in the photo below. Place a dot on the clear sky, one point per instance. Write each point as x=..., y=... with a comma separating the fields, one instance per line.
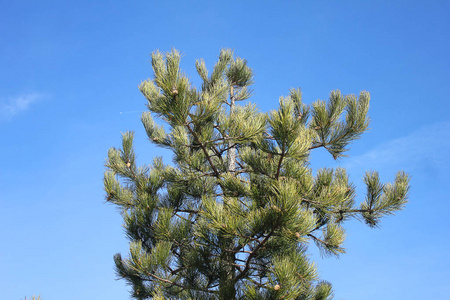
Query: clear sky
x=69, y=68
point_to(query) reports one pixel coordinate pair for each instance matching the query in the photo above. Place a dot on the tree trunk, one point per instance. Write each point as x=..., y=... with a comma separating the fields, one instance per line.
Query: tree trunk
x=231, y=154
x=227, y=290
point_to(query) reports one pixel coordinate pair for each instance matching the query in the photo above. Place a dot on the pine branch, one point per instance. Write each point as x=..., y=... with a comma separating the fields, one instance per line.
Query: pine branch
x=216, y=173
x=254, y=252
x=173, y=283
x=279, y=165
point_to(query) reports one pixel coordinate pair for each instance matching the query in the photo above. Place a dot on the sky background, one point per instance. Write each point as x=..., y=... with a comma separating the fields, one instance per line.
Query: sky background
x=69, y=72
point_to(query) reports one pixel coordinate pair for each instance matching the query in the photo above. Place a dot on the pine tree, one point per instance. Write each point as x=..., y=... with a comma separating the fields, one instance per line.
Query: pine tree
x=233, y=216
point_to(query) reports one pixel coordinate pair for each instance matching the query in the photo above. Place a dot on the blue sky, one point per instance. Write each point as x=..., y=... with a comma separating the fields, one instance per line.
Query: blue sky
x=69, y=68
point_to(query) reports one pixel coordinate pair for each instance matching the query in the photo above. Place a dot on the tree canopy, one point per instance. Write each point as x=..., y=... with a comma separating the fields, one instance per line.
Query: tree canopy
x=233, y=215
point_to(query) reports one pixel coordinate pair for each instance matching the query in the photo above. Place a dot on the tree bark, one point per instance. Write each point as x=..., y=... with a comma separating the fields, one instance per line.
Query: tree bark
x=227, y=289
x=231, y=154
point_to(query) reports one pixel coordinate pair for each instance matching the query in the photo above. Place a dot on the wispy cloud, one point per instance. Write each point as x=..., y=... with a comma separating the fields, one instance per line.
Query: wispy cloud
x=10, y=107
x=426, y=149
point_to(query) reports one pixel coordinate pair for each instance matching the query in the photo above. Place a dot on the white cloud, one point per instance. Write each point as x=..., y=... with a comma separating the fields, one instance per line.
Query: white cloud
x=10, y=107
x=426, y=149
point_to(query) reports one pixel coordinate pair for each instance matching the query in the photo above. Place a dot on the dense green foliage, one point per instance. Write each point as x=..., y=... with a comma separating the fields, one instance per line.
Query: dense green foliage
x=233, y=216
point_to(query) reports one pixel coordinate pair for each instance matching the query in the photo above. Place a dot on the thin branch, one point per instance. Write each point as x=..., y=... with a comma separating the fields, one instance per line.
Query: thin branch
x=191, y=211
x=216, y=173
x=279, y=165
x=177, y=284
x=253, y=253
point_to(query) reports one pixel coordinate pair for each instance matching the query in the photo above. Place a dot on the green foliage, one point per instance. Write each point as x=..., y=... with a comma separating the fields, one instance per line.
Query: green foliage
x=234, y=215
